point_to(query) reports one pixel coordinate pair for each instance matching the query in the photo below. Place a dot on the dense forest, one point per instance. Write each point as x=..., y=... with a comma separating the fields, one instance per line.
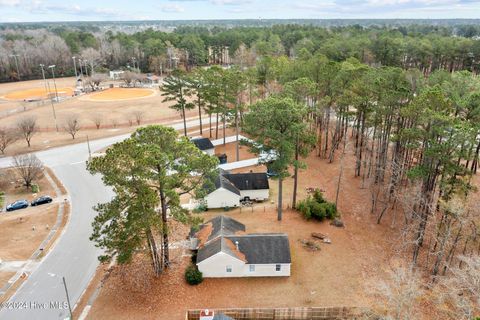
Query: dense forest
x=425, y=47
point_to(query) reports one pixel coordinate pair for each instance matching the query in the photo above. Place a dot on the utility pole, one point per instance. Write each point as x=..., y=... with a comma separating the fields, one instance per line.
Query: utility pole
x=15, y=56
x=68, y=298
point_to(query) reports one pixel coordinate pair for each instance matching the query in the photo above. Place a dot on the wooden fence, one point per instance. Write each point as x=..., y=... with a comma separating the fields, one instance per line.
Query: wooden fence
x=304, y=313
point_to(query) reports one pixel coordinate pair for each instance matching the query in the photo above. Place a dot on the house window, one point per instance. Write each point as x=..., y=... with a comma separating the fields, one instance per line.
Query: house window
x=252, y=268
x=229, y=268
x=278, y=267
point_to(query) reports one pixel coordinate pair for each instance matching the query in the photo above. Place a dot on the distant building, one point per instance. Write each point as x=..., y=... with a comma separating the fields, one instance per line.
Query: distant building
x=116, y=74
x=224, y=250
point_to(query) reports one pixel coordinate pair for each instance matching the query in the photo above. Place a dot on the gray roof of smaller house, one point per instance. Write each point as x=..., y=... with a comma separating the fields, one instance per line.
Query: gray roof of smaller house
x=248, y=181
x=203, y=143
x=222, y=226
x=268, y=248
x=222, y=182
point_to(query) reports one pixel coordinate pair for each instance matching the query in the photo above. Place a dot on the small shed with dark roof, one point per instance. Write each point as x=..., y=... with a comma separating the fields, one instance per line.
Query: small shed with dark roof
x=205, y=145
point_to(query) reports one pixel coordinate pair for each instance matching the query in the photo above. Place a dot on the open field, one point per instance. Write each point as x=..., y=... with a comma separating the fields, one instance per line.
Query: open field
x=113, y=117
x=38, y=93
x=334, y=276
x=115, y=94
x=18, y=237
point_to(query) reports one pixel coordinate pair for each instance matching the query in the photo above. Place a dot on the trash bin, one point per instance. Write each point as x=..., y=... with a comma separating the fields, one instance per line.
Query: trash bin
x=222, y=158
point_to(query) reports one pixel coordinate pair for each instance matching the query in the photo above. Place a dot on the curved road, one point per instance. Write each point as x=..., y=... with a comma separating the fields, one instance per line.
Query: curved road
x=42, y=295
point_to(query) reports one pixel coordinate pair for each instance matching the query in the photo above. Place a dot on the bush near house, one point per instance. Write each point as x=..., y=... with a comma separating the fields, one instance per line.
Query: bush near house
x=193, y=275
x=317, y=207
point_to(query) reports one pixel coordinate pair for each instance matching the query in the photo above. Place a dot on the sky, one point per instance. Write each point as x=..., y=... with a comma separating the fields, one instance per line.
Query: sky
x=91, y=10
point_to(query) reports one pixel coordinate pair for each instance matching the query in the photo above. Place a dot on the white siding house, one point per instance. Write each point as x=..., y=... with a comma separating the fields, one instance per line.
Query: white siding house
x=221, y=198
x=233, y=188
x=225, y=251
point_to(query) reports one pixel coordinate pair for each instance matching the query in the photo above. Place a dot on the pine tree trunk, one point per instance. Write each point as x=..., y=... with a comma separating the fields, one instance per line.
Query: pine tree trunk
x=280, y=198
x=156, y=263
x=295, y=177
x=165, y=252
x=184, y=122
x=200, y=115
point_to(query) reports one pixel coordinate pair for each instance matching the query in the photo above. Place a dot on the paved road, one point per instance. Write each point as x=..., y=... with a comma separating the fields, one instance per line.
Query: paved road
x=74, y=256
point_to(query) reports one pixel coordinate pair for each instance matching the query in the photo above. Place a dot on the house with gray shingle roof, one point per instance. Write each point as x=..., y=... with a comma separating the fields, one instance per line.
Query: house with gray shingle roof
x=232, y=188
x=225, y=250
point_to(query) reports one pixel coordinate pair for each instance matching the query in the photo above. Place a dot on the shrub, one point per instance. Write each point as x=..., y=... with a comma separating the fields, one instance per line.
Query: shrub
x=200, y=208
x=317, y=207
x=318, y=196
x=318, y=210
x=330, y=210
x=35, y=188
x=193, y=276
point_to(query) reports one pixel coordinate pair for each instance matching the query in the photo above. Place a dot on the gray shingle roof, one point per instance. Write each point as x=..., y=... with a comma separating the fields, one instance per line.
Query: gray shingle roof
x=265, y=248
x=221, y=226
x=268, y=248
x=223, y=182
x=248, y=181
x=203, y=143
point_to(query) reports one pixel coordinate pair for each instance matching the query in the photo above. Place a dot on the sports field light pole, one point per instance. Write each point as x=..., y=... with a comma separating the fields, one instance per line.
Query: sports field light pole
x=44, y=80
x=75, y=68
x=52, y=67
x=15, y=56
x=81, y=73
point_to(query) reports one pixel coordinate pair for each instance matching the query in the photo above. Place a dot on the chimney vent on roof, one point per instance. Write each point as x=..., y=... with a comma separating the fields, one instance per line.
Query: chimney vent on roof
x=236, y=245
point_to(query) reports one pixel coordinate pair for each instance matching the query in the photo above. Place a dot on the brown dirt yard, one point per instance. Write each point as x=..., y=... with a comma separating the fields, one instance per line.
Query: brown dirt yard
x=19, y=240
x=334, y=276
x=17, y=237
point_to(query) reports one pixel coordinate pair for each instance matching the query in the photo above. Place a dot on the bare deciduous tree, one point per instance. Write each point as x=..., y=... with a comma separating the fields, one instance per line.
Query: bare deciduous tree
x=398, y=293
x=7, y=137
x=92, y=57
x=72, y=125
x=459, y=292
x=28, y=127
x=95, y=80
x=29, y=167
x=97, y=120
x=138, y=114
x=131, y=78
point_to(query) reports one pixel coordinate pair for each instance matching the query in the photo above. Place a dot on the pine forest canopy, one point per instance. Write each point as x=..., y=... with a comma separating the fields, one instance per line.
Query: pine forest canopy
x=424, y=44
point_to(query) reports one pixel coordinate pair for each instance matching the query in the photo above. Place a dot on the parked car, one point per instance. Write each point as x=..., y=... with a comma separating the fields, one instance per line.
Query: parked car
x=19, y=204
x=41, y=200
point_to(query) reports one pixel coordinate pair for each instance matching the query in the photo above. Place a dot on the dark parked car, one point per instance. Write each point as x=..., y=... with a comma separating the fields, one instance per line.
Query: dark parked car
x=19, y=204
x=41, y=200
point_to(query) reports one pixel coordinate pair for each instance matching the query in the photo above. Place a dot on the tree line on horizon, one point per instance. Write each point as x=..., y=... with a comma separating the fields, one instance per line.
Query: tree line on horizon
x=425, y=47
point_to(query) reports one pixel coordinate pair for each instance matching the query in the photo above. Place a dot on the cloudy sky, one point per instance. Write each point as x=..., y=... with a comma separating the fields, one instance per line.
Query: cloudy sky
x=75, y=10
